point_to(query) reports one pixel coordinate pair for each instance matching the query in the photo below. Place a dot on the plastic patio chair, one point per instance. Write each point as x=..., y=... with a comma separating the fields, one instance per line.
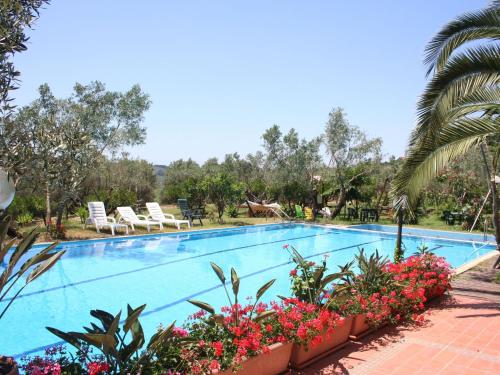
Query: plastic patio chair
x=299, y=214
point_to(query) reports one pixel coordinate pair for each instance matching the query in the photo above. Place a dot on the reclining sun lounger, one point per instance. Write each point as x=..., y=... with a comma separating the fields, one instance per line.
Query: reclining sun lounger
x=128, y=216
x=98, y=217
x=156, y=214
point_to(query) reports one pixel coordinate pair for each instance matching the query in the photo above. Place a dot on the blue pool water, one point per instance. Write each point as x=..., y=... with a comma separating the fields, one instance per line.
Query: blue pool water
x=464, y=236
x=164, y=270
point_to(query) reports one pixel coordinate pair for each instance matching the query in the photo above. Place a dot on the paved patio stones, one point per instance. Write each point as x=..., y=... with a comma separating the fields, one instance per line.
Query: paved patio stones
x=461, y=336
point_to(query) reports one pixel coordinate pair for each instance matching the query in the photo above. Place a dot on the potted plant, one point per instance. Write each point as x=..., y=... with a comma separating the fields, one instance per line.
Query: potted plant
x=309, y=318
x=315, y=331
x=364, y=294
x=239, y=339
x=119, y=349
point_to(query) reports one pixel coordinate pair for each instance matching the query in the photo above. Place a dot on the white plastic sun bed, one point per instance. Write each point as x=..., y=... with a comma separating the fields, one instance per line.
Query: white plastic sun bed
x=128, y=216
x=98, y=217
x=156, y=214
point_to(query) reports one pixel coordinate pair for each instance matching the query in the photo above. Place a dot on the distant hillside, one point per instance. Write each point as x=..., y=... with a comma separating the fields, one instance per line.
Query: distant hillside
x=160, y=179
x=160, y=171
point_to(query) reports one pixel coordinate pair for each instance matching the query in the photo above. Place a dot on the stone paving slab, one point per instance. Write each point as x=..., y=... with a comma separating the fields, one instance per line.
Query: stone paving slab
x=479, y=281
x=461, y=336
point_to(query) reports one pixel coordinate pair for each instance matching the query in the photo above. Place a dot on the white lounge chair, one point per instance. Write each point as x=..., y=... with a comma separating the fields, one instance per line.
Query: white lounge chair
x=128, y=216
x=156, y=214
x=98, y=217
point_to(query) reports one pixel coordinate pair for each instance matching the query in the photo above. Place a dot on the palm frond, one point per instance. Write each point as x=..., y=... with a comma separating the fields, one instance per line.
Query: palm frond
x=457, y=94
x=425, y=161
x=482, y=24
x=465, y=73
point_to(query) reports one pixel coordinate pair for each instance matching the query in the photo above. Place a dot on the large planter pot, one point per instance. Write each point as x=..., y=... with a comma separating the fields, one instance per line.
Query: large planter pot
x=273, y=363
x=359, y=326
x=8, y=366
x=304, y=356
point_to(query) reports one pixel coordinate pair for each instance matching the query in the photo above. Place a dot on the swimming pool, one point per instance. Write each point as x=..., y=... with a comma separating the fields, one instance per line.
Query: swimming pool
x=165, y=270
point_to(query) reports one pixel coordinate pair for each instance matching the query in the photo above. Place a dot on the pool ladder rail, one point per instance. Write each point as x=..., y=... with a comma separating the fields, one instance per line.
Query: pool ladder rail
x=281, y=214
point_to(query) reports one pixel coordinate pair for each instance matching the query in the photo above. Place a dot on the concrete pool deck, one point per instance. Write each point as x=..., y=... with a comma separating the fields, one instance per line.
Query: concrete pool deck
x=461, y=336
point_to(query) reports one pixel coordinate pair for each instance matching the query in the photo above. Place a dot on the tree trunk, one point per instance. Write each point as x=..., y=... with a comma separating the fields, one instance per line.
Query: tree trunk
x=60, y=213
x=496, y=221
x=382, y=192
x=398, y=255
x=494, y=197
x=340, y=203
x=48, y=212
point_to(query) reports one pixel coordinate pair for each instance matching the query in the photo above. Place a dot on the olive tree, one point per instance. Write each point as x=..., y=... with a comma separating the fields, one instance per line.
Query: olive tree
x=348, y=146
x=15, y=17
x=65, y=138
x=290, y=165
x=222, y=189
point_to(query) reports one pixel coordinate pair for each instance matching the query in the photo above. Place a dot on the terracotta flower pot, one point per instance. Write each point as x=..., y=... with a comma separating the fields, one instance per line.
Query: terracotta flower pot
x=304, y=356
x=359, y=325
x=272, y=363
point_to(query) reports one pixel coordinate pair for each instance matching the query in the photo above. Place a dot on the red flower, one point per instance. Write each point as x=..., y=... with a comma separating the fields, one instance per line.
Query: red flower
x=96, y=368
x=217, y=345
x=293, y=272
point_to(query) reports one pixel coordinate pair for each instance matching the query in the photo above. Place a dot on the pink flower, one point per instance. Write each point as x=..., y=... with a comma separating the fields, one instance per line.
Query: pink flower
x=285, y=246
x=214, y=365
x=180, y=332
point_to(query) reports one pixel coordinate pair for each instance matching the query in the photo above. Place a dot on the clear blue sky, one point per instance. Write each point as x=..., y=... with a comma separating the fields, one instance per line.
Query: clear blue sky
x=220, y=72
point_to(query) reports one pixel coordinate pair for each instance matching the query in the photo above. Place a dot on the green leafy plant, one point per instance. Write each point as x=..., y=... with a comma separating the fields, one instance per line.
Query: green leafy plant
x=24, y=219
x=371, y=277
x=309, y=282
x=225, y=336
x=122, y=353
x=422, y=249
x=235, y=283
x=82, y=213
x=232, y=211
x=15, y=269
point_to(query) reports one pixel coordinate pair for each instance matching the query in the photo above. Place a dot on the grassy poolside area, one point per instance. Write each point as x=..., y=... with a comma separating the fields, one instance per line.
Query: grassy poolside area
x=75, y=230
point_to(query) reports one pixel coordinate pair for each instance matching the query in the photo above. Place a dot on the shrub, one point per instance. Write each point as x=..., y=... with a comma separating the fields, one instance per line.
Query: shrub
x=27, y=205
x=24, y=219
x=82, y=213
x=232, y=211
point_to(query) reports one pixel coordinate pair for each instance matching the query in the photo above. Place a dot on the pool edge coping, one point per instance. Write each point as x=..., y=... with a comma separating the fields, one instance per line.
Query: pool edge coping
x=473, y=263
x=135, y=236
x=355, y=226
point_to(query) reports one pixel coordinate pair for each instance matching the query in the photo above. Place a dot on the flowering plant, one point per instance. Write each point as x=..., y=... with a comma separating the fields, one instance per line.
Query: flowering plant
x=308, y=279
x=303, y=322
x=225, y=343
x=222, y=341
x=364, y=293
x=120, y=348
x=426, y=270
x=56, y=360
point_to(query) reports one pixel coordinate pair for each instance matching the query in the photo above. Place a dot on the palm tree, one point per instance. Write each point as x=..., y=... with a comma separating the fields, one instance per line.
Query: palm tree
x=459, y=108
